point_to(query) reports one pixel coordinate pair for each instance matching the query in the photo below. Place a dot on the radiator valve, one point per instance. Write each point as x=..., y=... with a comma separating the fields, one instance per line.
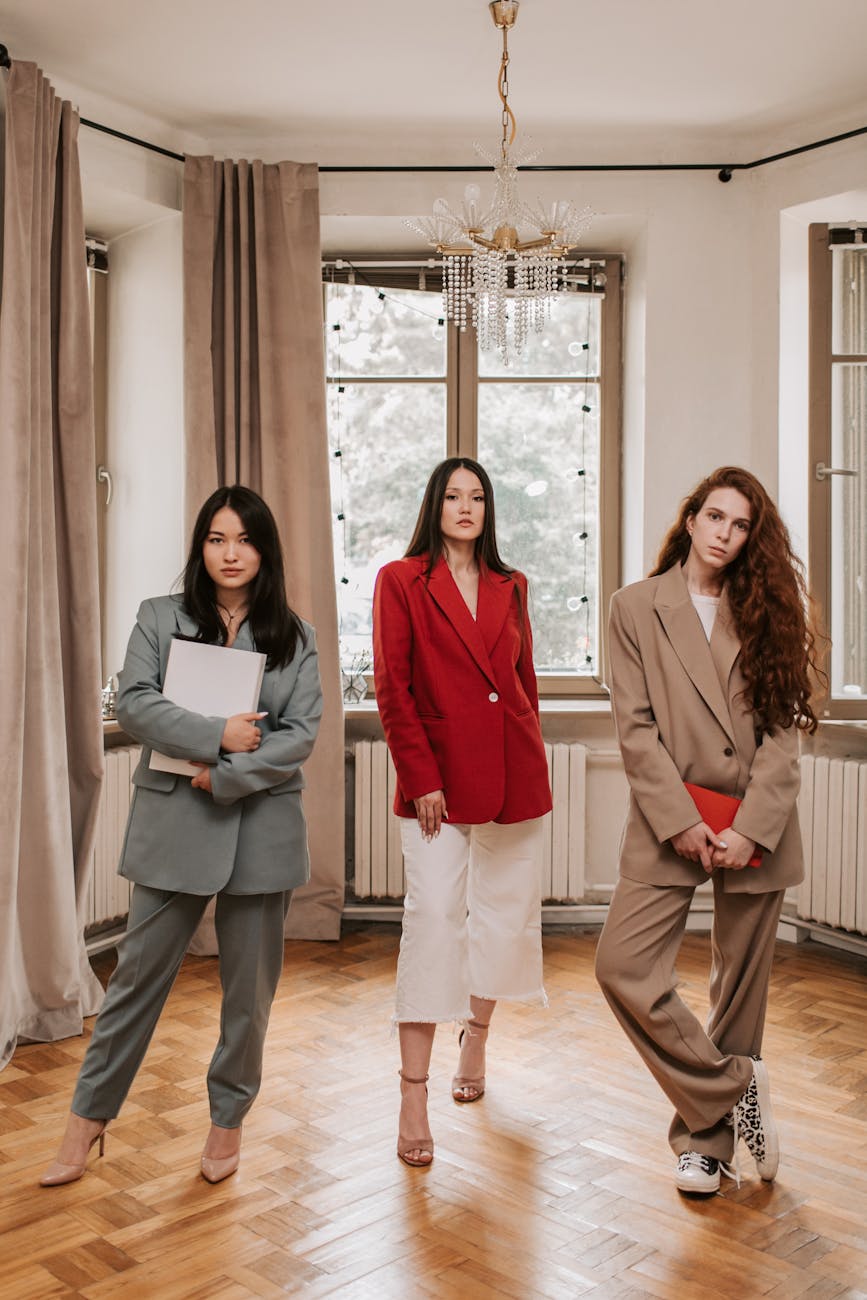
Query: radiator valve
x=109, y=700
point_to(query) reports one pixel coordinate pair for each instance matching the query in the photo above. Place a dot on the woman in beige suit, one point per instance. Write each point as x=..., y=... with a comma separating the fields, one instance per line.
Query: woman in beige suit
x=711, y=665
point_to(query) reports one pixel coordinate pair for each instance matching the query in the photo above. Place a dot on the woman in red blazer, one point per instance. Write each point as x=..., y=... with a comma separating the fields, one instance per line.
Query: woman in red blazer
x=453, y=665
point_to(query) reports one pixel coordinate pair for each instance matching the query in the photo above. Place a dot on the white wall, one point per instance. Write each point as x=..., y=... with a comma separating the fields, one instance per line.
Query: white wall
x=715, y=333
x=144, y=537
x=715, y=329
x=715, y=357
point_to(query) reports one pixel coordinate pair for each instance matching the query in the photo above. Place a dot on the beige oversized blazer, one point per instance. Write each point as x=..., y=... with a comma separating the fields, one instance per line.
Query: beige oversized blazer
x=249, y=836
x=680, y=717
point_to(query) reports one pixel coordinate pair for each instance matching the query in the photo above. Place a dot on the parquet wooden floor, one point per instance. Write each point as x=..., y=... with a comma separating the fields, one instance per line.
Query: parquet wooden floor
x=557, y=1184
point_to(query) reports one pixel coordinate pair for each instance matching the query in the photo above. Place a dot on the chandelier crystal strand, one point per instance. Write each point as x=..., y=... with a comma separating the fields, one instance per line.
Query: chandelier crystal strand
x=521, y=301
x=500, y=302
x=481, y=299
x=455, y=288
x=541, y=284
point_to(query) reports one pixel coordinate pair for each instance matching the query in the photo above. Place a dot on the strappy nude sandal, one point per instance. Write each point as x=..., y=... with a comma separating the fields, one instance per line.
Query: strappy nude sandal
x=460, y=1081
x=425, y=1144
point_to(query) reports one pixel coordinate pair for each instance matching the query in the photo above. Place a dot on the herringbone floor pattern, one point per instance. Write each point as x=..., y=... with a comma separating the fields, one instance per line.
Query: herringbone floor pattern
x=557, y=1184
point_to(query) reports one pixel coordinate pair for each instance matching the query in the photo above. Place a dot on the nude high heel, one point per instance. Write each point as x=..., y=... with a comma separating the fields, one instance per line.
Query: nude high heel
x=215, y=1169
x=58, y=1173
x=405, y=1145
x=460, y=1081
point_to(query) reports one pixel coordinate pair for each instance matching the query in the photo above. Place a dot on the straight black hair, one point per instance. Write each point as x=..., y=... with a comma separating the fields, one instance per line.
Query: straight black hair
x=427, y=539
x=276, y=628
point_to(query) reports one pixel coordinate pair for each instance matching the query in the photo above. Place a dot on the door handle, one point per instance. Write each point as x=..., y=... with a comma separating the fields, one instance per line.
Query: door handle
x=104, y=476
x=824, y=471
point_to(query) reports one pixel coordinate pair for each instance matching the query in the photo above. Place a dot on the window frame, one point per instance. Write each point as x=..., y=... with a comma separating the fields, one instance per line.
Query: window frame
x=462, y=385
x=98, y=303
x=822, y=360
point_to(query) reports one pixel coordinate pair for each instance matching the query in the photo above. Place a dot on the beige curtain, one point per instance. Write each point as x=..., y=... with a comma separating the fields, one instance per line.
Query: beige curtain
x=51, y=764
x=254, y=383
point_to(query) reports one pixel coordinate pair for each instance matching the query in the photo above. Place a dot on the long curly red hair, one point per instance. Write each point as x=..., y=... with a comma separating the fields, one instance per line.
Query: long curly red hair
x=772, y=609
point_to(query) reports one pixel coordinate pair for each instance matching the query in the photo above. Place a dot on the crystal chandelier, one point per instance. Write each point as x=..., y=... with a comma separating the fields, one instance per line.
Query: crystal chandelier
x=502, y=265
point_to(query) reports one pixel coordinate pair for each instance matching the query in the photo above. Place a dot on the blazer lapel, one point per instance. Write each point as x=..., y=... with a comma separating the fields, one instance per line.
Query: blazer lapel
x=186, y=626
x=683, y=628
x=444, y=591
x=495, y=598
x=176, y=620
x=724, y=643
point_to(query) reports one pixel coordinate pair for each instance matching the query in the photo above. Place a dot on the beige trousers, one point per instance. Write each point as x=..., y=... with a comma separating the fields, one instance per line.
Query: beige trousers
x=702, y=1072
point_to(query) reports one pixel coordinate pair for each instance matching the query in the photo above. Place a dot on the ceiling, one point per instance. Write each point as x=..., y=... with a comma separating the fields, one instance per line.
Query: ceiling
x=398, y=81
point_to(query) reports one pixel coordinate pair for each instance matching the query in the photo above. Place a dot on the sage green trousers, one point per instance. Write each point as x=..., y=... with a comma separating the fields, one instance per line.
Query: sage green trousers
x=161, y=924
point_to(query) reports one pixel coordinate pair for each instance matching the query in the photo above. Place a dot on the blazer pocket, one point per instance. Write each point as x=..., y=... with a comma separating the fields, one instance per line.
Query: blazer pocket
x=148, y=778
x=432, y=717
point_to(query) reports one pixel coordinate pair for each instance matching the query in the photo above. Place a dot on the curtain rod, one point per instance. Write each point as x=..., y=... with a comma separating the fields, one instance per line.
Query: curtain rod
x=725, y=171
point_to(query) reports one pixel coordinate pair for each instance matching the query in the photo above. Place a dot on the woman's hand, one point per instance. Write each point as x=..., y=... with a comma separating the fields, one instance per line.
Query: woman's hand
x=737, y=851
x=240, y=736
x=202, y=780
x=430, y=810
x=699, y=844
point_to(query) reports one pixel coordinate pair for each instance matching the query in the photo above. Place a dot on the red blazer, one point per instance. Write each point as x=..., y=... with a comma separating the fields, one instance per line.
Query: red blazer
x=457, y=695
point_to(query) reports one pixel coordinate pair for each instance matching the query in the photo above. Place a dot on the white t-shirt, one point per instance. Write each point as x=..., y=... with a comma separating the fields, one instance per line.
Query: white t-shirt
x=706, y=608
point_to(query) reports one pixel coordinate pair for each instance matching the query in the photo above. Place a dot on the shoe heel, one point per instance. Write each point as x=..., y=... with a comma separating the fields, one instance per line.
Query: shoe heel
x=459, y=1082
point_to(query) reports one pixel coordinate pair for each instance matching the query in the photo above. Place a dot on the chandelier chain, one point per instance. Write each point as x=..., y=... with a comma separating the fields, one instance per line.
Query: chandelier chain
x=503, y=87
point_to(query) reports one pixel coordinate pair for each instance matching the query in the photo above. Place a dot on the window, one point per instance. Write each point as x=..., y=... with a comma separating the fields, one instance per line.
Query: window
x=838, y=457
x=405, y=390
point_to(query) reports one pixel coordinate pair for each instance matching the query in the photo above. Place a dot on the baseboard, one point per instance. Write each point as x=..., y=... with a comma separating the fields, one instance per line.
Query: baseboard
x=791, y=929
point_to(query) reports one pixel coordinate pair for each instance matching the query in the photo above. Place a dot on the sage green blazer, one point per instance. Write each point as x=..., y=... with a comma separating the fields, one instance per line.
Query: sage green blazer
x=249, y=836
x=680, y=715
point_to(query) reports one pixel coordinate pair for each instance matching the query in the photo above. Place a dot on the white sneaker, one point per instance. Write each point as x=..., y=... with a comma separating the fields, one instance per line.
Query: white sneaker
x=697, y=1173
x=754, y=1122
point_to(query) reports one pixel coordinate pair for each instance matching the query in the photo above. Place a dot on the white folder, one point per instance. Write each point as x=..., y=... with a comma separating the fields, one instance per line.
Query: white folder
x=213, y=680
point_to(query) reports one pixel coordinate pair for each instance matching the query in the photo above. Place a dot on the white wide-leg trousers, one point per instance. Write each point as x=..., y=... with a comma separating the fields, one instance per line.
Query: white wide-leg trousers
x=472, y=919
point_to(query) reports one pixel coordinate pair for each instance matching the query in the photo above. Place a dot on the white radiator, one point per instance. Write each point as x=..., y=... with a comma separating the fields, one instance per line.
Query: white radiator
x=378, y=857
x=107, y=896
x=833, y=812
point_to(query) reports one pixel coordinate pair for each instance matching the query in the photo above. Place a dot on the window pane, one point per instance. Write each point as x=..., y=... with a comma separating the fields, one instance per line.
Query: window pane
x=541, y=449
x=849, y=334
x=390, y=436
x=559, y=349
x=849, y=533
x=383, y=331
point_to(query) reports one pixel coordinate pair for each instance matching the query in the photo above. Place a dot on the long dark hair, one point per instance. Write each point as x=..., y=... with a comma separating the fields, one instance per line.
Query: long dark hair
x=772, y=609
x=276, y=628
x=427, y=539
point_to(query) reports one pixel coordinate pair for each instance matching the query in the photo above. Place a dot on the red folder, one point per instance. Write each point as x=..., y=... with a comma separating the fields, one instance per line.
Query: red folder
x=718, y=811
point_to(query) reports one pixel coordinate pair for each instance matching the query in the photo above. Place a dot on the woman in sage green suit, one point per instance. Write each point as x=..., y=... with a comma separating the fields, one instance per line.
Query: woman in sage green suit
x=235, y=831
